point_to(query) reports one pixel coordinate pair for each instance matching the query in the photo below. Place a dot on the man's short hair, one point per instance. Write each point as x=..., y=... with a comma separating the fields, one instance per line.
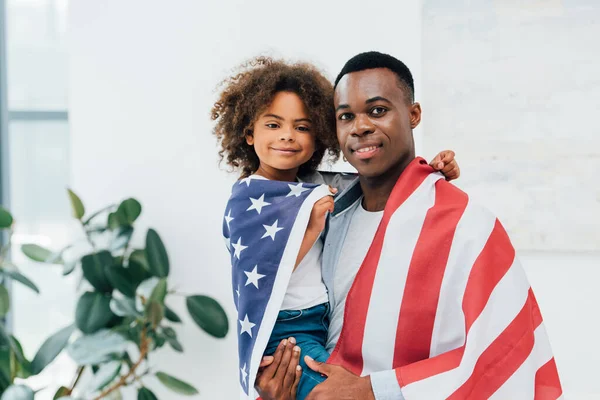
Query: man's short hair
x=375, y=59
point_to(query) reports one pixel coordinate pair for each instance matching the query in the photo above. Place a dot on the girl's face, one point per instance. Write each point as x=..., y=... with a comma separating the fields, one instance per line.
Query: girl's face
x=283, y=138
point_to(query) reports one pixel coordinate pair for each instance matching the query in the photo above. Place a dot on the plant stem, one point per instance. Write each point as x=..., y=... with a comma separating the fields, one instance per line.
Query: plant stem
x=123, y=380
x=87, y=235
x=76, y=381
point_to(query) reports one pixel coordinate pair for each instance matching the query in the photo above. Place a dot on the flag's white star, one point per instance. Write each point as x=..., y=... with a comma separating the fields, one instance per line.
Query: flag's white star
x=228, y=243
x=244, y=373
x=258, y=204
x=246, y=326
x=228, y=219
x=246, y=181
x=271, y=230
x=296, y=190
x=253, y=277
x=239, y=247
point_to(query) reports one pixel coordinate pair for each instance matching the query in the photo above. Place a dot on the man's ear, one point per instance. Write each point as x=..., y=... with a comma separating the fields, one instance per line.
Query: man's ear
x=415, y=115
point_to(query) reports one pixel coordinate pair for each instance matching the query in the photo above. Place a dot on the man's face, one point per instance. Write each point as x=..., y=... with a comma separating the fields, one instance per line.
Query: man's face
x=375, y=121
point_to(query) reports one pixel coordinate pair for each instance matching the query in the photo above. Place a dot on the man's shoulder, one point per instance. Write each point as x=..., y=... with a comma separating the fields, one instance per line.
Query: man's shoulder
x=456, y=198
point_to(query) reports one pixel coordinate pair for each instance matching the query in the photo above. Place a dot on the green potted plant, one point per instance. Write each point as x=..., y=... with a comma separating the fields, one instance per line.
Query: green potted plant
x=122, y=315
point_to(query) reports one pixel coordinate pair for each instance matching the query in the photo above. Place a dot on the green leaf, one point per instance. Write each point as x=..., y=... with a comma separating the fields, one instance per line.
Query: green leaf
x=171, y=315
x=176, y=385
x=124, y=307
x=158, y=260
x=17, y=392
x=95, y=214
x=93, y=312
x=174, y=343
x=113, y=221
x=17, y=276
x=69, y=267
x=14, y=345
x=94, y=266
x=159, y=292
x=129, y=210
x=61, y=392
x=51, y=348
x=24, y=366
x=76, y=205
x=5, y=373
x=139, y=257
x=143, y=291
x=97, y=348
x=208, y=314
x=146, y=394
x=122, y=279
x=37, y=253
x=155, y=313
x=6, y=218
x=105, y=375
x=122, y=236
x=4, y=301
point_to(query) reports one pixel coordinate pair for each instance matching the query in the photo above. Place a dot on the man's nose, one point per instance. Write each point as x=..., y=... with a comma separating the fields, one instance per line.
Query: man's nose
x=362, y=125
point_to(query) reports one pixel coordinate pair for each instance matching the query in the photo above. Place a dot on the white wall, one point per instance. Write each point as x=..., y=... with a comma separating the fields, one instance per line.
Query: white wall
x=142, y=75
x=565, y=285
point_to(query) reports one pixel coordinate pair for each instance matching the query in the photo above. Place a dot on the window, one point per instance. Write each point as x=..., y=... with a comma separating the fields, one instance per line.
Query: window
x=34, y=147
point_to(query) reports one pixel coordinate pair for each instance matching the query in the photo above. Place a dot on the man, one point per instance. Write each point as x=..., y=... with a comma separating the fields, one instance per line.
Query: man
x=428, y=299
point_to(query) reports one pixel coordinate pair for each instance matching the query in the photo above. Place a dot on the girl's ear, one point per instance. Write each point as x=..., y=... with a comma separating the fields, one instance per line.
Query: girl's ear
x=249, y=137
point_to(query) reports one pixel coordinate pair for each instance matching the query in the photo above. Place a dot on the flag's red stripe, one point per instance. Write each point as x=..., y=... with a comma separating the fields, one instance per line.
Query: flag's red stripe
x=490, y=266
x=348, y=350
x=425, y=275
x=504, y=356
x=547, y=382
x=430, y=367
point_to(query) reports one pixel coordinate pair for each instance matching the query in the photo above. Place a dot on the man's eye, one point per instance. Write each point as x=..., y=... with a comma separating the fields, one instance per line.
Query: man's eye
x=272, y=126
x=378, y=111
x=345, y=117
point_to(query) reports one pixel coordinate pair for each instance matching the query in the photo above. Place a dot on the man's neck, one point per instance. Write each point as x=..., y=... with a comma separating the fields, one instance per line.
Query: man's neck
x=377, y=190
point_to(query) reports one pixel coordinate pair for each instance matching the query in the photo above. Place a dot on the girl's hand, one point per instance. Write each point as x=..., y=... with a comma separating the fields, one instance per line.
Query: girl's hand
x=279, y=375
x=316, y=224
x=446, y=164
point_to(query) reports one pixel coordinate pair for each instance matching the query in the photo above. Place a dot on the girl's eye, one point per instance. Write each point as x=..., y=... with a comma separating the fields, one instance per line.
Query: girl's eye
x=345, y=117
x=378, y=111
x=303, y=128
x=272, y=126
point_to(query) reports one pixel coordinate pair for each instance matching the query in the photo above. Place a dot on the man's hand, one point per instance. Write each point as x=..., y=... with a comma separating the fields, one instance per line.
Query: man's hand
x=279, y=375
x=340, y=384
x=446, y=164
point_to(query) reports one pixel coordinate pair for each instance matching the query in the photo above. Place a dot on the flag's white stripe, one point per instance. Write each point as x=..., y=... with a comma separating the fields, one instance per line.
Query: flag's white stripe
x=286, y=266
x=505, y=303
x=521, y=385
x=400, y=240
x=472, y=233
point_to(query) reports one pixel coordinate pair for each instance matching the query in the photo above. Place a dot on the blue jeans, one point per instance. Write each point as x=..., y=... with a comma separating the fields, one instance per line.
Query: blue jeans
x=309, y=328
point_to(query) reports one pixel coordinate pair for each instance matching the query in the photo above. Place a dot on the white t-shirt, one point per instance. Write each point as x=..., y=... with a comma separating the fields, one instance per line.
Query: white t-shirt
x=356, y=245
x=306, y=288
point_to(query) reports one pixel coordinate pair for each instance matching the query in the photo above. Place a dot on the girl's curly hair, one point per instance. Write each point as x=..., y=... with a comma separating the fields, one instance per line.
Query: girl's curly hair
x=246, y=95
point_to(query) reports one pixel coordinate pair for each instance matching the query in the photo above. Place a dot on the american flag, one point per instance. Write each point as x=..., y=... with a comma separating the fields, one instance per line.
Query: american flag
x=441, y=307
x=264, y=225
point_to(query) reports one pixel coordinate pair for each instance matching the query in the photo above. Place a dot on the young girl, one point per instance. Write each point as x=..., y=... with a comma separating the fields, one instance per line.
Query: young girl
x=275, y=121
